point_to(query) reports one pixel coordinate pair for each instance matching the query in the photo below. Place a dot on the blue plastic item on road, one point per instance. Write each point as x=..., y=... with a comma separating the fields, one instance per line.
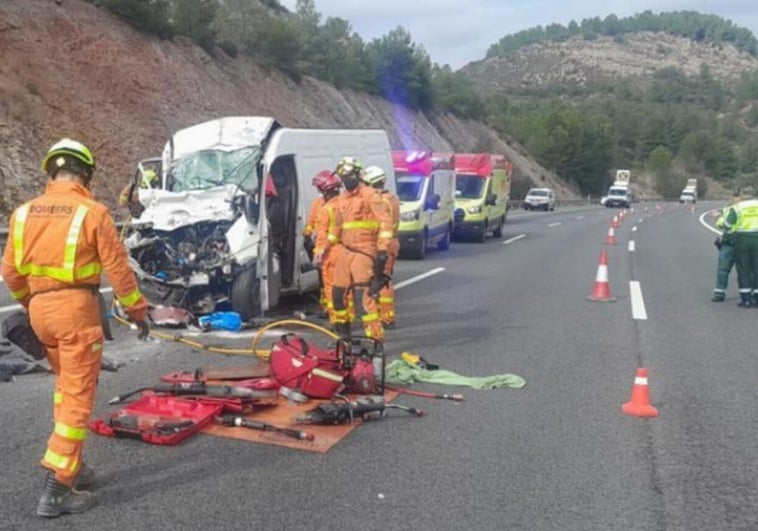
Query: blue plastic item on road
x=222, y=321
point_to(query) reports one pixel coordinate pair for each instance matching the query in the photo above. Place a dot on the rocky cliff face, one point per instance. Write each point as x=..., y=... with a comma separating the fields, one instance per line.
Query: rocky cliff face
x=71, y=69
x=633, y=57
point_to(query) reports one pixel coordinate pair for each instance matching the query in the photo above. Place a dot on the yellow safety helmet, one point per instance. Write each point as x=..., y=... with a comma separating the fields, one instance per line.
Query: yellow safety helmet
x=374, y=176
x=71, y=155
x=148, y=178
x=348, y=165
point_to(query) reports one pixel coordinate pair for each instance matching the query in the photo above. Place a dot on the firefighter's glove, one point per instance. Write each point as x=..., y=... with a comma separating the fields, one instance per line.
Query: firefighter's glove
x=379, y=262
x=718, y=243
x=143, y=329
x=308, y=245
x=377, y=283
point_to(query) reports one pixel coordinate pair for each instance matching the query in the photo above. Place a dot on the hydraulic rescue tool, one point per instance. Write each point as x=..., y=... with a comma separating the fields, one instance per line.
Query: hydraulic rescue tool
x=198, y=388
x=366, y=408
x=233, y=420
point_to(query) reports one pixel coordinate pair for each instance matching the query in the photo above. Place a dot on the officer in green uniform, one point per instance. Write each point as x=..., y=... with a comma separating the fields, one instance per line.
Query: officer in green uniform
x=742, y=218
x=725, y=245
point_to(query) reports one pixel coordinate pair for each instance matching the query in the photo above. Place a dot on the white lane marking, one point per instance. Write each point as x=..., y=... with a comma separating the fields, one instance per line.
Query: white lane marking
x=631, y=246
x=14, y=307
x=638, y=303
x=418, y=277
x=634, y=229
x=704, y=224
x=579, y=217
x=515, y=238
x=555, y=224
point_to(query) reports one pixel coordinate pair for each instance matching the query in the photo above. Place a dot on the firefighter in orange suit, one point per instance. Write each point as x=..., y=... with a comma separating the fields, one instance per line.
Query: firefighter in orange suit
x=376, y=178
x=58, y=244
x=328, y=228
x=309, y=234
x=366, y=235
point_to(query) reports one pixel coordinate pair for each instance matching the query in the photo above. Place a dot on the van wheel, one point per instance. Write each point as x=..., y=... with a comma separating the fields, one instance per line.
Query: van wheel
x=482, y=235
x=498, y=232
x=444, y=243
x=246, y=295
x=420, y=252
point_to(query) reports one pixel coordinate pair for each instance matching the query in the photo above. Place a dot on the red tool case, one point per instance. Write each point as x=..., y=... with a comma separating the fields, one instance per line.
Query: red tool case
x=158, y=419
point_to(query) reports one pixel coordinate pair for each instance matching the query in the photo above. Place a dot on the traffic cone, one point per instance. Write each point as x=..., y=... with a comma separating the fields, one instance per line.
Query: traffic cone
x=601, y=291
x=615, y=222
x=639, y=404
x=610, y=239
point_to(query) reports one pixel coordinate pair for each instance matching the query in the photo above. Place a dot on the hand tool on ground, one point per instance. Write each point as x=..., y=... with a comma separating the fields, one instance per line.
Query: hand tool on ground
x=233, y=420
x=332, y=413
x=138, y=423
x=197, y=388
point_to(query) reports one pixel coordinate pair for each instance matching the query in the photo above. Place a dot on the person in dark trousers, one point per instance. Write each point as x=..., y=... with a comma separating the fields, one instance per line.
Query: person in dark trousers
x=725, y=245
x=742, y=218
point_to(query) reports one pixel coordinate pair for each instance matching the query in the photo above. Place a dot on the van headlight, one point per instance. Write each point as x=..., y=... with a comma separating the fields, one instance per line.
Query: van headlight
x=413, y=215
x=474, y=209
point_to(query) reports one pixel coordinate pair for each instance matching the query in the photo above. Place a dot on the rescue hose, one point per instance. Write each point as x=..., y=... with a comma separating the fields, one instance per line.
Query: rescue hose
x=178, y=338
x=455, y=396
x=264, y=354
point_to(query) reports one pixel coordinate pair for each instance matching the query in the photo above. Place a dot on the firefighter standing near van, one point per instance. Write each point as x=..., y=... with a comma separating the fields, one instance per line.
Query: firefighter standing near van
x=376, y=178
x=129, y=195
x=309, y=233
x=366, y=235
x=742, y=218
x=328, y=225
x=725, y=245
x=58, y=244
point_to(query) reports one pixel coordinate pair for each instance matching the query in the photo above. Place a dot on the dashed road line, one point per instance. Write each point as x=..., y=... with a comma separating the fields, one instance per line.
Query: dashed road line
x=638, y=303
x=631, y=246
x=415, y=279
x=515, y=238
x=555, y=224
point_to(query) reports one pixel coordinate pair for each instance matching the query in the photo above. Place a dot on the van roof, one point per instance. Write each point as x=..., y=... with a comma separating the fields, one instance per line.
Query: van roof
x=481, y=164
x=422, y=162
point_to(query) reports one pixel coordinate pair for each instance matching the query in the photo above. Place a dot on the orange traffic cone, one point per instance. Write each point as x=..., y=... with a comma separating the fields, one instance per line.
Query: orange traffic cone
x=615, y=222
x=610, y=239
x=639, y=404
x=601, y=291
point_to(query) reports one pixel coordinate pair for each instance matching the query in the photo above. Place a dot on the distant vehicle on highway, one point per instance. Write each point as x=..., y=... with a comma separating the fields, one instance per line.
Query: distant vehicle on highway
x=540, y=199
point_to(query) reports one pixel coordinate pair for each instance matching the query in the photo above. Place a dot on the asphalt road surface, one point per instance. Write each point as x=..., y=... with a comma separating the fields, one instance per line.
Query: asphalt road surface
x=557, y=454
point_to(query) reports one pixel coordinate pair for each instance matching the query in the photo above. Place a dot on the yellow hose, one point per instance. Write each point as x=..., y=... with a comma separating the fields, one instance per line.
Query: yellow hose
x=264, y=354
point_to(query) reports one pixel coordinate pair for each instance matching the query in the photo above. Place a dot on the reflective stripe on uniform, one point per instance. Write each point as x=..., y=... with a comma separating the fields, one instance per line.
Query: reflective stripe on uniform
x=57, y=397
x=131, y=299
x=67, y=273
x=75, y=434
x=348, y=225
x=20, y=294
x=367, y=318
x=389, y=235
x=58, y=461
x=18, y=239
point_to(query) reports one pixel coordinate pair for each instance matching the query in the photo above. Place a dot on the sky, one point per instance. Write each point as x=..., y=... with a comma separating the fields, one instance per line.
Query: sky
x=456, y=32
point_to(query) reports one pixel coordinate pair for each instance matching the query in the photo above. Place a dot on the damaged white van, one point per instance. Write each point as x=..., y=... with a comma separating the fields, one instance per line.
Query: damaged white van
x=225, y=226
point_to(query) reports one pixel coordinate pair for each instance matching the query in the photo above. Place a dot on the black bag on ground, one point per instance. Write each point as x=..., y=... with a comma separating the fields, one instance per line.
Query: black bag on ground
x=18, y=330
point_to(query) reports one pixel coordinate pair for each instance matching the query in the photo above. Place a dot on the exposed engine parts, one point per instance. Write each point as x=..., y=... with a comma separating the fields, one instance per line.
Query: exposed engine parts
x=198, y=248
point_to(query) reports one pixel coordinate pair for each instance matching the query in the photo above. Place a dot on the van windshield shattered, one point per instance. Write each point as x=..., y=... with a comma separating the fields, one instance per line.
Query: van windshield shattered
x=468, y=186
x=409, y=187
x=203, y=170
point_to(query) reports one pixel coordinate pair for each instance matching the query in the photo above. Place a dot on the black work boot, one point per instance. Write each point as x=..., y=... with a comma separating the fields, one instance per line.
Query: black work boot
x=58, y=499
x=718, y=297
x=744, y=301
x=85, y=478
x=343, y=329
